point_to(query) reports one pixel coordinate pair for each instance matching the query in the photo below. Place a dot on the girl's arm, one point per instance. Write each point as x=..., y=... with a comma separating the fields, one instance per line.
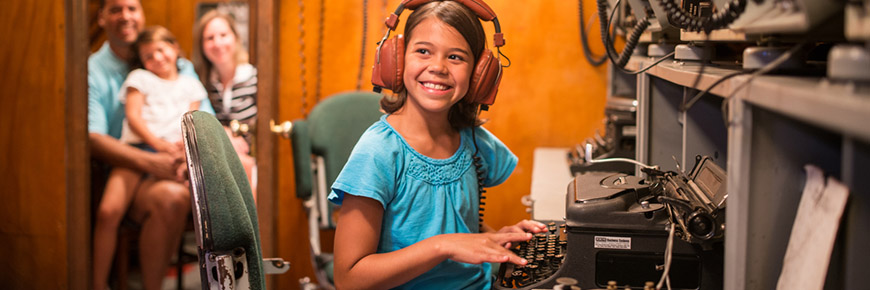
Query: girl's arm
x=358, y=266
x=133, y=108
x=110, y=150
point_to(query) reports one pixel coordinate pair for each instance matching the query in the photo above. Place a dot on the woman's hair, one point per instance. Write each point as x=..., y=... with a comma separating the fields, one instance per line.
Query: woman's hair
x=148, y=35
x=462, y=114
x=202, y=65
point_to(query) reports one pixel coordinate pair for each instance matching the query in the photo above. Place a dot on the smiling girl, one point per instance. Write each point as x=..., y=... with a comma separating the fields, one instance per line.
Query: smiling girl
x=409, y=191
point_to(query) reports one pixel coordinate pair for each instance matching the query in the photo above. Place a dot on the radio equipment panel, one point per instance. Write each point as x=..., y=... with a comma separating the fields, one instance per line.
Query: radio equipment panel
x=616, y=229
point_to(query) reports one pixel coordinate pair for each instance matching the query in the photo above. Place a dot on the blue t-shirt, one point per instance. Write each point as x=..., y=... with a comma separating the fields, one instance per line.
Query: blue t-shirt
x=423, y=197
x=106, y=73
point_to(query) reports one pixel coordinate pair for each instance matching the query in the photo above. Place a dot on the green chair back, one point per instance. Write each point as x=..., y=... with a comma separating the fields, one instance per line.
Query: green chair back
x=331, y=131
x=225, y=214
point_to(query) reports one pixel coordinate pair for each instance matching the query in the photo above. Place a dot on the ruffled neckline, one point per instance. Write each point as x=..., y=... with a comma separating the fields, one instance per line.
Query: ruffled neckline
x=432, y=170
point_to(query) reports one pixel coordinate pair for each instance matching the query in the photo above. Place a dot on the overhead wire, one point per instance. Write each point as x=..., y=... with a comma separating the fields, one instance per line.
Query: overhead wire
x=584, y=40
x=700, y=94
x=755, y=73
x=698, y=76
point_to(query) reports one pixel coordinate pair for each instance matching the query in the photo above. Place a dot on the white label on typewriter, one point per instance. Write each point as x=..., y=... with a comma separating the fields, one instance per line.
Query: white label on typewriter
x=621, y=243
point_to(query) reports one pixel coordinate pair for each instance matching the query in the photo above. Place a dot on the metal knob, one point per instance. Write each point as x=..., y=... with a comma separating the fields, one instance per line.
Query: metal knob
x=239, y=128
x=282, y=129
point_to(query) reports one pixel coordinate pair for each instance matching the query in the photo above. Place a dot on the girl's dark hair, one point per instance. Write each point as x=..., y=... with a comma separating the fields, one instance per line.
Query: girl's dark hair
x=149, y=35
x=463, y=113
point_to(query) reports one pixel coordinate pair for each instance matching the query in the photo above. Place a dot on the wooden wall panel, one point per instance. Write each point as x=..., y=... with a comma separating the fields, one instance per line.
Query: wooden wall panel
x=550, y=96
x=32, y=123
x=77, y=157
x=292, y=227
x=265, y=15
x=177, y=15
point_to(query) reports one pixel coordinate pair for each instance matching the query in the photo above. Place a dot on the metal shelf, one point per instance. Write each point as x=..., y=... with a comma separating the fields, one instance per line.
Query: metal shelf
x=840, y=107
x=775, y=126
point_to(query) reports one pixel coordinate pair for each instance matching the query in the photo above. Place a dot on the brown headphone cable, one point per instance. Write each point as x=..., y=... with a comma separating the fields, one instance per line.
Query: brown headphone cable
x=319, y=67
x=362, y=52
x=303, y=87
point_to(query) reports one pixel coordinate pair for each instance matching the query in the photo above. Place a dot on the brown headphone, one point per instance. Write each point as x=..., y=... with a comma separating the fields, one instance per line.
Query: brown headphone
x=390, y=56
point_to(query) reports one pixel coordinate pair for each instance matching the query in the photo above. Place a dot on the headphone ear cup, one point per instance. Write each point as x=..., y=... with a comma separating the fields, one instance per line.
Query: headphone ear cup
x=388, y=68
x=485, y=79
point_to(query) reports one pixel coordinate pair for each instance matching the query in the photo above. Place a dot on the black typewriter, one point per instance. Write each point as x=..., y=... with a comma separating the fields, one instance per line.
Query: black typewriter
x=544, y=253
x=617, y=229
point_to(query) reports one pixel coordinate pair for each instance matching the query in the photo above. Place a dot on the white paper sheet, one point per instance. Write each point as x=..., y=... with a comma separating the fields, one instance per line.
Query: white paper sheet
x=812, y=237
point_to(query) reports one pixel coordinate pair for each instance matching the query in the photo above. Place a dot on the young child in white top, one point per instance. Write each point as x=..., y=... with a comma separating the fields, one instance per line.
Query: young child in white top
x=157, y=96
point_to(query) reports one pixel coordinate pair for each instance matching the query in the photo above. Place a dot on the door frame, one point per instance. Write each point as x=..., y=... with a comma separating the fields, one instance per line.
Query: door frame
x=264, y=38
x=78, y=198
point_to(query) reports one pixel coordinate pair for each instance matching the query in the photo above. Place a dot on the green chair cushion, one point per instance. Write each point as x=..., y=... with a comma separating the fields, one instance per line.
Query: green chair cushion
x=231, y=207
x=301, y=143
x=336, y=125
x=331, y=131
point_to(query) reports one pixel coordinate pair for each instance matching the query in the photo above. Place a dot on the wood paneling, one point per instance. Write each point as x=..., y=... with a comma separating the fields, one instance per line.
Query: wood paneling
x=32, y=153
x=77, y=154
x=550, y=96
x=265, y=48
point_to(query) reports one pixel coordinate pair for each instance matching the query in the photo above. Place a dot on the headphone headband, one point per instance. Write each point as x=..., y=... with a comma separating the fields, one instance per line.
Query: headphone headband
x=478, y=7
x=389, y=61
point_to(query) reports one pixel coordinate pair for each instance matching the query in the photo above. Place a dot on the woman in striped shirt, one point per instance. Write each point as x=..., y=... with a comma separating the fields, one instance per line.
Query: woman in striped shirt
x=231, y=82
x=222, y=65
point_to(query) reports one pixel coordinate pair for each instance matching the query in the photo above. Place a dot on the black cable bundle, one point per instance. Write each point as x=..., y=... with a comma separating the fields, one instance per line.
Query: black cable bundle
x=630, y=42
x=685, y=20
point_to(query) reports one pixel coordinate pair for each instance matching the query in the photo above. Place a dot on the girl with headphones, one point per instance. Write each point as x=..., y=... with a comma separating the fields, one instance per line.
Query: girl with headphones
x=410, y=190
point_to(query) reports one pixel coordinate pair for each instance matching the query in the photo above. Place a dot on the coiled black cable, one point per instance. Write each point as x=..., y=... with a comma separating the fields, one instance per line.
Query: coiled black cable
x=584, y=40
x=721, y=19
x=478, y=168
x=630, y=42
x=609, y=42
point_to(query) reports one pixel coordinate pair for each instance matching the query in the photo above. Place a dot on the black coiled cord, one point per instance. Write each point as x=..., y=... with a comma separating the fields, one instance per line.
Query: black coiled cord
x=584, y=40
x=478, y=168
x=630, y=42
x=684, y=20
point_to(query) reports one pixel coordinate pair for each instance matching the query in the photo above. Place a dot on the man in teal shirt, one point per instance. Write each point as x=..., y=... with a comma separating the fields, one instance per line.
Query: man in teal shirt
x=162, y=207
